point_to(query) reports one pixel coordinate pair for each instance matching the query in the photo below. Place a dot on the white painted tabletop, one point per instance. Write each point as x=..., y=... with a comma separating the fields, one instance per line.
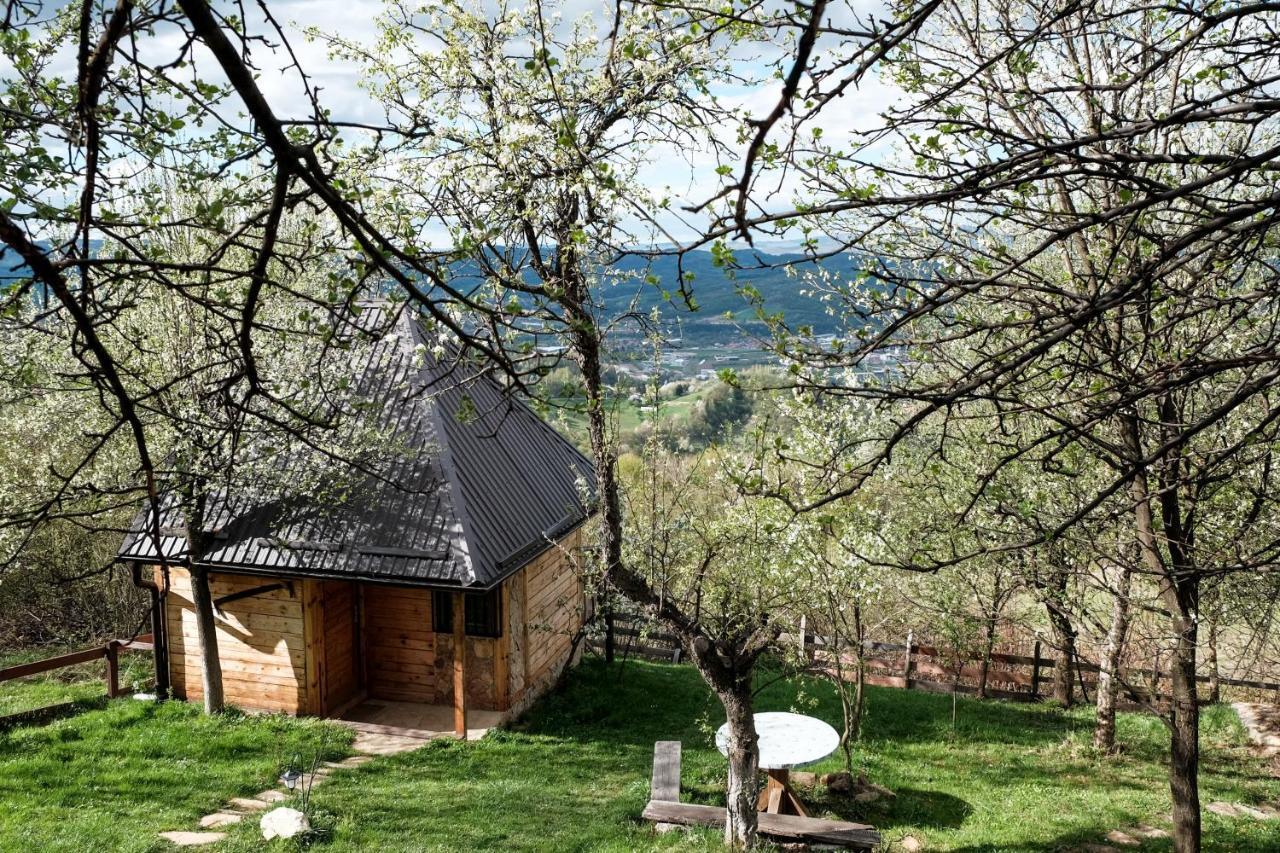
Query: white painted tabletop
x=787, y=740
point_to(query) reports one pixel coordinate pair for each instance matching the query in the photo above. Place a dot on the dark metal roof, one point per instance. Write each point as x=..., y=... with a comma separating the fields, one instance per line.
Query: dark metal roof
x=486, y=486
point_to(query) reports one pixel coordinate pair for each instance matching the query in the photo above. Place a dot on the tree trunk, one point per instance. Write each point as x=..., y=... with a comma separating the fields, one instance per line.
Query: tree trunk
x=1104, y=730
x=851, y=700
x=608, y=629
x=740, y=829
x=1180, y=592
x=586, y=341
x=195, y=499
x=988, y=648
x=1053, y=595
x=1063, y=681
x=1211, y=662
x=206, y=632
x=1184, y=759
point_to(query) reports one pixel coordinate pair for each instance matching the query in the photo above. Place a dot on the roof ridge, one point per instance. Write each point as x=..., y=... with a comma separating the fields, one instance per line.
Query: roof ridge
x=415, y=338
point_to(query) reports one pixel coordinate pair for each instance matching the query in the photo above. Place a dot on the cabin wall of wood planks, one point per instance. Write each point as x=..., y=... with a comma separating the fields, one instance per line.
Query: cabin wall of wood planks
x=261, y=643
x=399, y=647
x=339, y=600
x=550, y=600
x=312, y=647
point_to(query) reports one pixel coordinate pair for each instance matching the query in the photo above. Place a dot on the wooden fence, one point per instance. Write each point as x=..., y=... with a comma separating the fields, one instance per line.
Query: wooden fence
x=109, y=651
x=918, y=666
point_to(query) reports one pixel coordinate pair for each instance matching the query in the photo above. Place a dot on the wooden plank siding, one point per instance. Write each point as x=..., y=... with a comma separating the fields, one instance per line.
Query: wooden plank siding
x=260, y=643
x=342, y=675
x=313, y=648
x=549, y=596
x=399, y=644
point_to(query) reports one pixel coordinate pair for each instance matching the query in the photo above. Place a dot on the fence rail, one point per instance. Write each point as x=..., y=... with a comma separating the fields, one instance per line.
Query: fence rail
x=109, y=651
x=920, y=666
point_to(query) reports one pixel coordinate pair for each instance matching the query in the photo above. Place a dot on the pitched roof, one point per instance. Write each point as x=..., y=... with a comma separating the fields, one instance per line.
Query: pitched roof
x=487, y=486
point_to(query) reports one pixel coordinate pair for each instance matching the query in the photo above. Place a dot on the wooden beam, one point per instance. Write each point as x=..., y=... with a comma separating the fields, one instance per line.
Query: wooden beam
x=315, y=698
x=250, y=593
x=459, y=666
x=858, y=836
x=502, y=653
x=35, y=667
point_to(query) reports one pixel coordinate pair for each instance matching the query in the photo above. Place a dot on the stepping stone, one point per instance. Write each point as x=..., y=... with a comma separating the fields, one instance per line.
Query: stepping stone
x=1150, y=832
x=1224, y=809
x=192, y=839
x=247, y=804
x=356, y=760
x=1263, y=813
x=380, y=744
x=271, y=796
x=213, y=821
x=1119, y=836
x=804, y=778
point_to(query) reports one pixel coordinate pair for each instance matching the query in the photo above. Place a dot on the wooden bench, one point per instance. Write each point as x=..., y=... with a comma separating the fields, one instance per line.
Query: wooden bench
x=665, y=807
x=858, y=836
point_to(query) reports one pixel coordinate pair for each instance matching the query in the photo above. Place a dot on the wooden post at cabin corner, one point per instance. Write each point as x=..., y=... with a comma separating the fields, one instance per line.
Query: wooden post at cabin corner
x=112, y=653
x=459, y=666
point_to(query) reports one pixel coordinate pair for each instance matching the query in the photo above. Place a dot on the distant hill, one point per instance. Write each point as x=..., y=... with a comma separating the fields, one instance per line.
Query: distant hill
x=717, y=293
x=11, y=266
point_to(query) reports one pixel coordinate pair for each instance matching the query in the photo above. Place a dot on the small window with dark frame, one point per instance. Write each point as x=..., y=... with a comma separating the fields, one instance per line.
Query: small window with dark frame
x=482, y=618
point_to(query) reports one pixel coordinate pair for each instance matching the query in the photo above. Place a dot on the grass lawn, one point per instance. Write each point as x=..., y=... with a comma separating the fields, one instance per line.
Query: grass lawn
x=573, y=776
x=109, y=780
x=571, y=419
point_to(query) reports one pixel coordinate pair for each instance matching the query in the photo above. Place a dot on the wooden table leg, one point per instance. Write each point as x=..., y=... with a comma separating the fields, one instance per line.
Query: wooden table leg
x=777, y=797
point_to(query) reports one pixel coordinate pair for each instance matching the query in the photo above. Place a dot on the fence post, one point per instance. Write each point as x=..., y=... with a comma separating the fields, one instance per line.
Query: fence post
x=1035, y=672
x=906, y=661
x=112, y=653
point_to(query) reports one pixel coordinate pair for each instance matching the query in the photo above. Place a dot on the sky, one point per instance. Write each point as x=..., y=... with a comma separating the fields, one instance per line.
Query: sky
x=687, y=176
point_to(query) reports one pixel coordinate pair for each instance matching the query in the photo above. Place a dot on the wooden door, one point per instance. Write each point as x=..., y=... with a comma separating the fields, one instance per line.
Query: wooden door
x=399, y=644
x=342, y=677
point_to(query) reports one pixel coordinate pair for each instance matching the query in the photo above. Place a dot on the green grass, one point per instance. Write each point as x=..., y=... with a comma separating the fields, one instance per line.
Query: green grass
x=571, y=418
x=573, y=775
x=71, y=684
x=111, y=779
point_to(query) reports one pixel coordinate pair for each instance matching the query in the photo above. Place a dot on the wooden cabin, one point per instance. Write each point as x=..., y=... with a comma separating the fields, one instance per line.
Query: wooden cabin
x=453, y=582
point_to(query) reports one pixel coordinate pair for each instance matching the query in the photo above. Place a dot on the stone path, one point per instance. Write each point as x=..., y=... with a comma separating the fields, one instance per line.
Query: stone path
x=1118, y=839
x=1262, y=722
x=1241, y=810
x=238, y=808
x=380, y=743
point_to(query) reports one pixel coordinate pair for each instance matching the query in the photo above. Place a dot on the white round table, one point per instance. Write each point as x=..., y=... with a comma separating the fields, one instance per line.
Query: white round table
x=785, y=741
